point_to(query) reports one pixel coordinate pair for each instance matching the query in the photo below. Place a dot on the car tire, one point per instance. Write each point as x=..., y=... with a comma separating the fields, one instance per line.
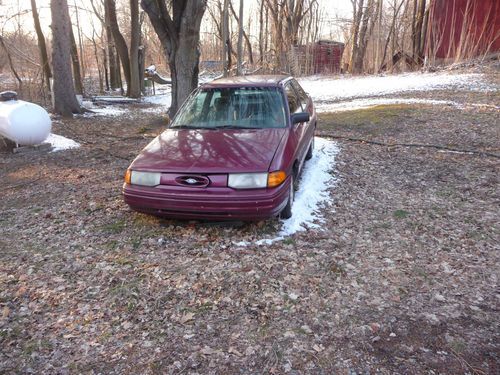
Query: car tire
x=287, y=211
x=309, y=154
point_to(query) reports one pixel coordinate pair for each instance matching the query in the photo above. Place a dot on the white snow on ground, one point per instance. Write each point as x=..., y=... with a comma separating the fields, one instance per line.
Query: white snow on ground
x=60, y=143
x=108, y=110
x=160, y=99
x=313, y=193
x=335, y=90
x=353, y=105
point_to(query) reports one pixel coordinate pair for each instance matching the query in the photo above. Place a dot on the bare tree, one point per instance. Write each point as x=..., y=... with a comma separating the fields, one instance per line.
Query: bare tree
x=243, y=33
x=65, y=102
x=41, y=45
x=110, y=59
x=396, y=7
x=120, y=44
x=135, y=39
x=77, y=75
x=357, y=12
x=178, y=29
x=226, y=40
x=239, y=66
x=364, y=32
x=418, y=36
x=11, y=64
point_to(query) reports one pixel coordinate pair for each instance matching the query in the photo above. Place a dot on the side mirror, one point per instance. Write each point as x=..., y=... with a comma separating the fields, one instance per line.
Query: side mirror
x=300, y=117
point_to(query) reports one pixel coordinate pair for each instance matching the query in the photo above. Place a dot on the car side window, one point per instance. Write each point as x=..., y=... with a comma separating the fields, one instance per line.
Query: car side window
x=302, y=94
x=293, y=99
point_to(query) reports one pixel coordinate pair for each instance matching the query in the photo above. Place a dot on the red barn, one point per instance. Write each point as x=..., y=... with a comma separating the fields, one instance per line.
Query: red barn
x=461, y=29
x=322, y=57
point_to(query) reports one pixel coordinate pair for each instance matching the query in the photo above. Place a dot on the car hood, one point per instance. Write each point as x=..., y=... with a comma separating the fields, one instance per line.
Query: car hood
x=210, y=151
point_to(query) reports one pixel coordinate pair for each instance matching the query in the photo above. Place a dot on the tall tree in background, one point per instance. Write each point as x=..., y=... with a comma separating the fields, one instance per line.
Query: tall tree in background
x=111, y=59
x=357, y=13
x=220, y=18
x=396, y=8
x=77, y=73
x=178, y=29
x=419, y=32
x=245, y=35
x=239, y=64
x=65, y=102
x=135, y=40
x=226, y=40
x=120, y=44
x=367, y=23
x=44, y=57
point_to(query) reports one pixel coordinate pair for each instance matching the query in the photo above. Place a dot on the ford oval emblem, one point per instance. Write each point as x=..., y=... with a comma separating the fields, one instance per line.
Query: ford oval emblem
x=193, y=181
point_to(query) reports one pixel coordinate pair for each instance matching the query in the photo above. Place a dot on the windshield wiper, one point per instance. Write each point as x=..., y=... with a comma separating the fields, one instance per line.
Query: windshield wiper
x=186, y=127
x=235, y=127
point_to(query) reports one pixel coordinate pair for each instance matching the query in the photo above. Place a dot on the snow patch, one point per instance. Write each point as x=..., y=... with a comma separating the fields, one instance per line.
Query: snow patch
x=60, y=143
x=110, y=111
x=162, y=99
x=354, y=105
x=313, y=193
x=102, y=110
x=333, y=90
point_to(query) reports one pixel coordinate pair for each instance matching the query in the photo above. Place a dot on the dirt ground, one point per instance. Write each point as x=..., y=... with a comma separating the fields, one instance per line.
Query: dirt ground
x=402, y=278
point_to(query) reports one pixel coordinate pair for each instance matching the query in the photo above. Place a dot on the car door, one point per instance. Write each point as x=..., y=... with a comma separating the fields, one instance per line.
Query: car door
x=307, y=106
x=299, y=129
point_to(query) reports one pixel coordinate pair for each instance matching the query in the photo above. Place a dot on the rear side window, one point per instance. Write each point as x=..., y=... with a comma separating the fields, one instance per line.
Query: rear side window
x=292, y=99
x=301, y=93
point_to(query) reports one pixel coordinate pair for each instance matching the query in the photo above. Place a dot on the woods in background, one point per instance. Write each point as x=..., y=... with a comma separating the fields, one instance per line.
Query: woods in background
x=111, y=41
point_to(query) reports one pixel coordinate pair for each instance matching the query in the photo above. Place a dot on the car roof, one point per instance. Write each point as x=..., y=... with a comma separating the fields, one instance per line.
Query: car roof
x=248, y=81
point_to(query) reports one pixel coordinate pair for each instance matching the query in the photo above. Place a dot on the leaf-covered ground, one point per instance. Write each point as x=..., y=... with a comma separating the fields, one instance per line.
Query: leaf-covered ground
x=402, y=278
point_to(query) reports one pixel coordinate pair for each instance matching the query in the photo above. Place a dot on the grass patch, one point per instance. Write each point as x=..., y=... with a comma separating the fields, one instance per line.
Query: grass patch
x=373, y=121
x=114, y=228
x=400, y=214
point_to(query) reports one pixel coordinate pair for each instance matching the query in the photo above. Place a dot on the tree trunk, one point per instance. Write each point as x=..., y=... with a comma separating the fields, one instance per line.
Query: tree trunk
x=114, y=68
x=363, y=38
x=76, y=64
x=105, y=65
x=277, y=13
x=419, y=34
x=65, y=102
x=357, y=12
x=80, y=43
x=135, y=38
x=179, y=33
x=121, y=45
x=226, y=50
x=391, y=33
x=245, y=35
x=239, y=64
x=41, y=45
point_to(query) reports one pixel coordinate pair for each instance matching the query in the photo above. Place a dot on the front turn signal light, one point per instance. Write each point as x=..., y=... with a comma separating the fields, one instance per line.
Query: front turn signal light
x=128, y=176
x=276, y=178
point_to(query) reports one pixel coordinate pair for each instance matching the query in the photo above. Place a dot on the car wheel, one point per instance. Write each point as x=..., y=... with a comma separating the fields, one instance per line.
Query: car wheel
x=309, y=154
x=287, y=211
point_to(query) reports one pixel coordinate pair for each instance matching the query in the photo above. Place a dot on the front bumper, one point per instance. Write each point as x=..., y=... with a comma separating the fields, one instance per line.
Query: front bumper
x=211, y=203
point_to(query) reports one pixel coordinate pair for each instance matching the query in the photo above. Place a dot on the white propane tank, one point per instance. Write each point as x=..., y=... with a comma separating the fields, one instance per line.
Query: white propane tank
x=23, y=122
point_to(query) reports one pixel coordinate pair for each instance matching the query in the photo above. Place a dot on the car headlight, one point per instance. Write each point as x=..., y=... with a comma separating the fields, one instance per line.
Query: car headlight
x=247, y=180
x=256, y=180
x=145, y=178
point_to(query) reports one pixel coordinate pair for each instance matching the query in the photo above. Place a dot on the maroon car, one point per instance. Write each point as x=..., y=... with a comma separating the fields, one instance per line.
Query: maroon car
x=234, y=150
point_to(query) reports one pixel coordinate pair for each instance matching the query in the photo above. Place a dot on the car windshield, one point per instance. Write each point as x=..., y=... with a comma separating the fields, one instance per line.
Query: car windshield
x=228, y=108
